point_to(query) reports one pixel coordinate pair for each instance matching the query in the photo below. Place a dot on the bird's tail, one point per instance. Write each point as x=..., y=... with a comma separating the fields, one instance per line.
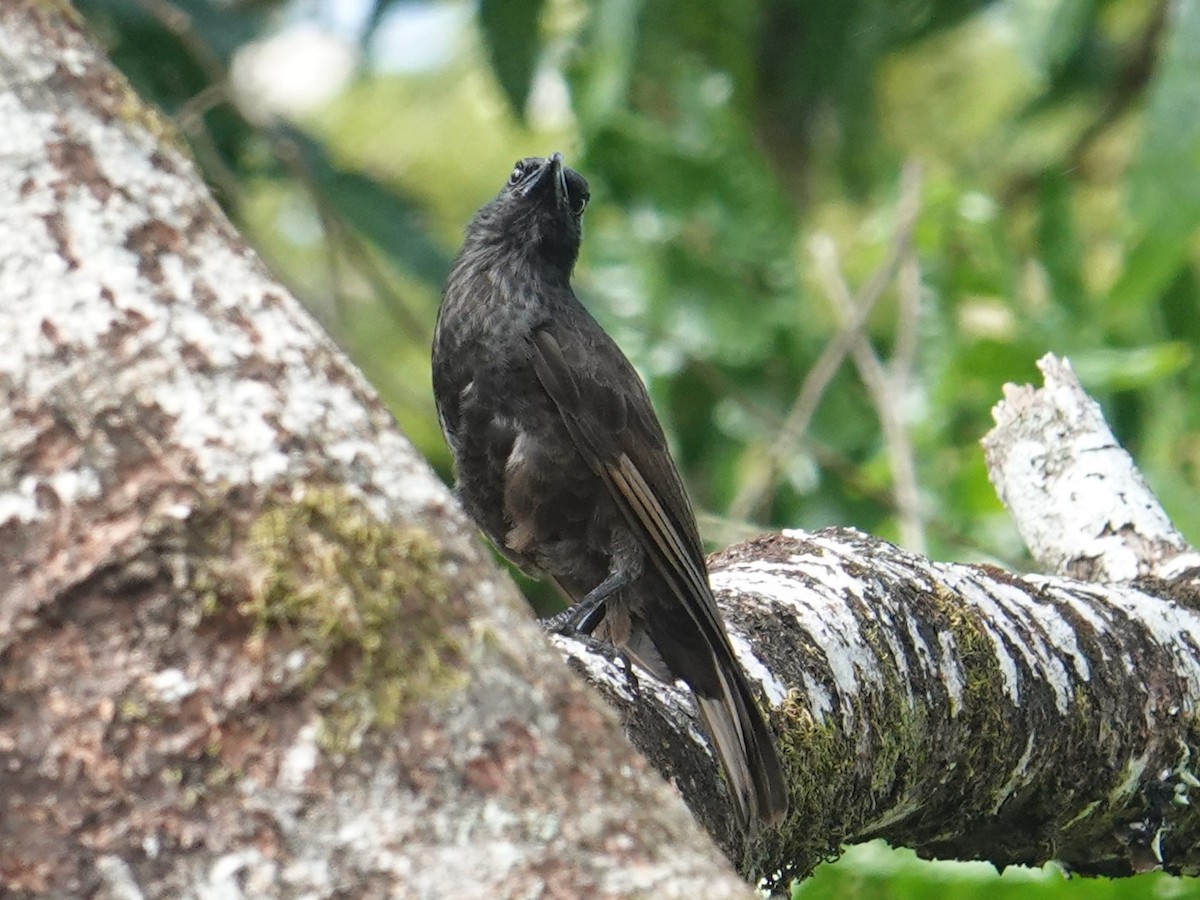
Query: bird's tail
x=746, y=751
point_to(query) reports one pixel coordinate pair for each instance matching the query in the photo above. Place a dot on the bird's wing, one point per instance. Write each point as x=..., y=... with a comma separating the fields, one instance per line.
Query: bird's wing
x=608, y=414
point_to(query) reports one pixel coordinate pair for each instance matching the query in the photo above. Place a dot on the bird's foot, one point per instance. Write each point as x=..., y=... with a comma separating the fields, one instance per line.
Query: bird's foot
x=580, y=619
x=614, y=655
x=631, y=679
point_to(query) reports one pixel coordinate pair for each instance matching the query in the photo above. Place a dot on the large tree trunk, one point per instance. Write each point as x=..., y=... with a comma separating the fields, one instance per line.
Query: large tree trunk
x=249, y=645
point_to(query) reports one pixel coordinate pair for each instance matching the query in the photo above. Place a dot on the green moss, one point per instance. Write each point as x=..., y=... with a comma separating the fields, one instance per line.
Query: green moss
x=133, y=709
x=359, y=598
x=1184, y=816
x=900, y=746
x=821, y=758
x=129, y=107
x=984, y=701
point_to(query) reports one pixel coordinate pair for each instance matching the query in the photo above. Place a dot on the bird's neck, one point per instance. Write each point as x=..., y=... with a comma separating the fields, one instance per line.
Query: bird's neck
x=502, y=294
x=526, y=265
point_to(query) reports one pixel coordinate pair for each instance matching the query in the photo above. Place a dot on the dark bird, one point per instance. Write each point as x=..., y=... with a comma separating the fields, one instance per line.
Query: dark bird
x=561, y=461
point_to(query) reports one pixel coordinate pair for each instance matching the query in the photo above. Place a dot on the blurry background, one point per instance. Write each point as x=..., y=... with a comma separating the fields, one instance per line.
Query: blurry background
x=974, y=183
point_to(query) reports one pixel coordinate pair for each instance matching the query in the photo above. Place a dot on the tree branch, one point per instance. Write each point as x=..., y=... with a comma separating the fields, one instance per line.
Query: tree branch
x=886, y=386
x=962, y=710
x=1079, y=501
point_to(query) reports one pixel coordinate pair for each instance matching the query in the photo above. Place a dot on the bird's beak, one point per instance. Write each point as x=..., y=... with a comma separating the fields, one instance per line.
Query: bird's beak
x=551, y=177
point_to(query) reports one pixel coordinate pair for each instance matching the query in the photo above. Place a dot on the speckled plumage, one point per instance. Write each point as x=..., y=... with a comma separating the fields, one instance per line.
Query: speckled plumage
x=562, y=463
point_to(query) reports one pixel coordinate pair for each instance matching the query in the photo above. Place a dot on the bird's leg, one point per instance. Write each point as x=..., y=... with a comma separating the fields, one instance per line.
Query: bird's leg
x=580, y=620
x=584, y=616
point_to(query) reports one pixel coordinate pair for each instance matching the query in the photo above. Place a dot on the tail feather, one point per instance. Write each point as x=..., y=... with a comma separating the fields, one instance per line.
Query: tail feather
x=674, y=644
x=746, y=751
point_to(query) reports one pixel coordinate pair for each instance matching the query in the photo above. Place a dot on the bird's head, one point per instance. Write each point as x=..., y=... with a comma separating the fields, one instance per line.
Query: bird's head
x=537, y=213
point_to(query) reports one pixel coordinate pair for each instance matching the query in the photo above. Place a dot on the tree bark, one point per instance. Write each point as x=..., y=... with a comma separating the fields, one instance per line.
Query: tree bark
x=248, y=644
x=1078, y=499
x=964, y=711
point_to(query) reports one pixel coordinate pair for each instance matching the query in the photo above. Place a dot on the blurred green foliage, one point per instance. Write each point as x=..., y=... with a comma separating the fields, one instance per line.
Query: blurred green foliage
x=875, y=872
x=1058, y=142
x=745, y=161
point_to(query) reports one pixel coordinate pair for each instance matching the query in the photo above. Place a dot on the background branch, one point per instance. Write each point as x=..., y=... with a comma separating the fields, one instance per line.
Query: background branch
x=885, y=387
x=763, y=479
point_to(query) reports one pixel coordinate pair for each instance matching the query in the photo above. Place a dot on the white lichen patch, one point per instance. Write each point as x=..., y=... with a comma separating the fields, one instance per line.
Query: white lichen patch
x=963, y=583
x=300, y=759
x=820, y=700
x=233, y=876
x=171, y=685
x=226, y=434
x=814, y=590
x=1131, y=778
x=118, y=879
x=1084, y=602
x=1023, y=627
x=1049, y=642
x=951, y=671
x=892, y=625
x=600, y=670
x=922, y=653
x=1018, y=778
x=20, y=503
x=1115, y=610
x=1175, y=628
x=755, y=670
x=73, y=486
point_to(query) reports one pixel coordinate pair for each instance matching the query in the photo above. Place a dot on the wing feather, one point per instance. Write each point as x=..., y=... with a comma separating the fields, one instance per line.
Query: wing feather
x=623, y=458
x=587, y=378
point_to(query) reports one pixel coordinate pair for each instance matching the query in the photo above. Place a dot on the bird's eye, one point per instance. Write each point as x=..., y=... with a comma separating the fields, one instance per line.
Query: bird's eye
x=517, y=172
x=579, y=204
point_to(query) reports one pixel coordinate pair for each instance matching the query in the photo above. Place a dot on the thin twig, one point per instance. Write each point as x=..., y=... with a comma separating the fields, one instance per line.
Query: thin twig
x=886, y=396
x=351, y=243
x=179, y=23
x=903, y=364
x=750, y=498
x=904, y=351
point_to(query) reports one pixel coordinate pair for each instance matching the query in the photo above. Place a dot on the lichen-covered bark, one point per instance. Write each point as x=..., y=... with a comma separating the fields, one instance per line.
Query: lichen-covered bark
x=1079, y=501
x=248, y=645
x=959, y=710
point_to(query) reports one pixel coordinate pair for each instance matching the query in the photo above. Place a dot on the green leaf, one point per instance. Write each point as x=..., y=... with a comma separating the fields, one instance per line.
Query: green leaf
x=391, y=221
x=1164, y=192
x=510, y=30
x=603, y=67
x=1130, y=368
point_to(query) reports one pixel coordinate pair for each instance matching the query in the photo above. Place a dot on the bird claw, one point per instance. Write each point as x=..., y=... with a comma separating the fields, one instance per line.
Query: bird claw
x=561, y=624
x=564, y=623
x=631, y=679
